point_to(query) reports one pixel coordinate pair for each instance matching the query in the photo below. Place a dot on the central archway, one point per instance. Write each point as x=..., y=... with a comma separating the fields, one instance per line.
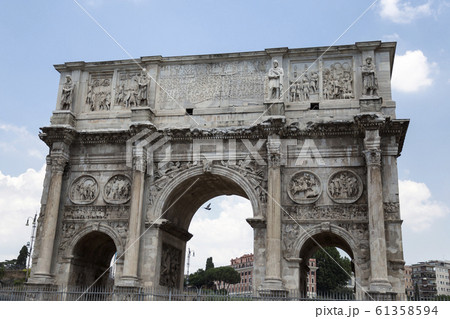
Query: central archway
x=180, y=200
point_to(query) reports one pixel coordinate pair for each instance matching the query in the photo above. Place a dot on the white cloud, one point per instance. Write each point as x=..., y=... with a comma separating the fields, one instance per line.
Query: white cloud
x=418, y=210
x=412, y=72
x=223, y=238
x=402, y=11
x=19, y=199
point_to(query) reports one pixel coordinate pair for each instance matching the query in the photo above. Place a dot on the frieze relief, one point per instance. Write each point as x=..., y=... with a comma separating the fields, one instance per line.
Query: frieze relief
x=345, y=187
x=98, y=97
x=132, y=89
x=334, y=212
x=84, y=190
x=117, y=190
x=170, y=266
x=304, y=187
x=96, y=212
x=194, y=84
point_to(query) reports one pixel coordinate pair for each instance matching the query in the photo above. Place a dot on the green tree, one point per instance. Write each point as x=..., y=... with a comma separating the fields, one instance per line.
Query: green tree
x=21, y=262
x=225, y=274
x=209, y=264
x=197, y=279
x=333, y=270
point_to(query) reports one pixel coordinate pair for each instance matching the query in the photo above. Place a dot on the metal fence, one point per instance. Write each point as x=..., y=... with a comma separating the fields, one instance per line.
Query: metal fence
x=52, y=293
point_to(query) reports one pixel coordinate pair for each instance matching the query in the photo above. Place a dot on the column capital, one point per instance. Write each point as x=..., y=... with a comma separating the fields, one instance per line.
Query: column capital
x=58, y=163
x=274, y=152
x=139, y=163
x=372, y=157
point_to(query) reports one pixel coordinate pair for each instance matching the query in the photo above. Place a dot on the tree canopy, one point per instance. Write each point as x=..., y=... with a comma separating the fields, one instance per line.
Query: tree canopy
x=207, y=278
x=330, y=275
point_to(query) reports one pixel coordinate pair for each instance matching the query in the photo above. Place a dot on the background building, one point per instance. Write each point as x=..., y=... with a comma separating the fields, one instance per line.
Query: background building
x=431, y=278
x=409, y=285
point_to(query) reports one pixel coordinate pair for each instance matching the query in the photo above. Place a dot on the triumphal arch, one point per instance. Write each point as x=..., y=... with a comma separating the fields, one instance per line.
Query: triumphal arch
x=309, y=136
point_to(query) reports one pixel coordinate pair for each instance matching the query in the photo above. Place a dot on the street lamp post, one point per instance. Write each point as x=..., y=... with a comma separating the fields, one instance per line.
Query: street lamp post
x=31, y=242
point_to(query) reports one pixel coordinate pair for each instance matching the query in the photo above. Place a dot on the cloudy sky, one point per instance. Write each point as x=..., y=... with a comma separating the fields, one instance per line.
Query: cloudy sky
x=37, y=34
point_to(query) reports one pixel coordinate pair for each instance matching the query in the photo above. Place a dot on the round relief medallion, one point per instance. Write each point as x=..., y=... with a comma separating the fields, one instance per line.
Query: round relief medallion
x=344, y=187
x=84, y=190
x=117, y=190
x=305, y=187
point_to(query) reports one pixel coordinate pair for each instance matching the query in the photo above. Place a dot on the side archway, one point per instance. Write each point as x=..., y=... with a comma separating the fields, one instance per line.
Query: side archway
x=90, y=253
x=324, y=235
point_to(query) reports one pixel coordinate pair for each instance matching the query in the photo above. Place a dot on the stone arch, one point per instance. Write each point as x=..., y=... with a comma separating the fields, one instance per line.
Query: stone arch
x=178, y=202
x=325, y=234
x=235, y=184
x=90, y=252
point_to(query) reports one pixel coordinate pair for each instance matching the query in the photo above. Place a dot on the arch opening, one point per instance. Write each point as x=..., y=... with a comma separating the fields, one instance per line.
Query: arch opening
x=91, y=260
x=183, y=200
x=313, y=258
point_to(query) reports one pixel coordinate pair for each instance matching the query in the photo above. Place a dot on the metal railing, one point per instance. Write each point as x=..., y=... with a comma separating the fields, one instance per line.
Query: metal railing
x=52, y=293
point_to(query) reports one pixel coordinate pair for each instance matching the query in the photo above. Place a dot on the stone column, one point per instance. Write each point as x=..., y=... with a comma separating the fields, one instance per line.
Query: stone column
x=378, y=262
x=272, y=281
x=42, y=274
x=130, y=267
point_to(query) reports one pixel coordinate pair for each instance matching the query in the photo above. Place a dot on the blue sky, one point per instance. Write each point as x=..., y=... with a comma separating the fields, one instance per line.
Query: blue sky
x=35, y=35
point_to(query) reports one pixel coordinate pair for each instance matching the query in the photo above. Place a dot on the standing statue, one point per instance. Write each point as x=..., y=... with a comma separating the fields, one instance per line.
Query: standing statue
x=275, y=81
x=66, y=96
x=370, y=82
x=143, y=87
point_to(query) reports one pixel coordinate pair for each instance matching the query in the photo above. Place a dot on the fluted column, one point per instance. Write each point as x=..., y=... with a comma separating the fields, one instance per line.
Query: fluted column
x=130, y=267
x=378, y=262
x=272, y=279
x=42, y=273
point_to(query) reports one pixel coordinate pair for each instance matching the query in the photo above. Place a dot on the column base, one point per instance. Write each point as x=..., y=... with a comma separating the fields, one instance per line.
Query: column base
x=272, y=288
x=128, y=282
x=41, y=292
x=380, y=286
x=126, y=293
x=41, y=279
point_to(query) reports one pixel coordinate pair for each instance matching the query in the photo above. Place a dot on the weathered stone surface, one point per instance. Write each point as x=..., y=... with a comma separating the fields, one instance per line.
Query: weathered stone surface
x=311, y=142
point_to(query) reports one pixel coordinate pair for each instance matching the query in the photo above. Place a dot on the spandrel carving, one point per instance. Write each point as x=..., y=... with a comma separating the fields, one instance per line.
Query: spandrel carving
x=304, y=187
x=84, y=190
x=117, y=190
x=344, y=187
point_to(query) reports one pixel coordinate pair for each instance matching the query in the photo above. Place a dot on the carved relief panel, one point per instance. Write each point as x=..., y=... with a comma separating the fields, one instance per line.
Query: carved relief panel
x=117, y=190
x=132, y=89
x=214, y=83
x=304, y=187
x=84, y=190
x=170, y=266
x=338, y=79
x=98, y=96
x=344, y=187
x=304, y=82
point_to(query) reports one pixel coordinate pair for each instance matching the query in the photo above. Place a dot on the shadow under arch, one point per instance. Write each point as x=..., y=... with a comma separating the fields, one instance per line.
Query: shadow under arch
x=90, y=252
x=324, y=235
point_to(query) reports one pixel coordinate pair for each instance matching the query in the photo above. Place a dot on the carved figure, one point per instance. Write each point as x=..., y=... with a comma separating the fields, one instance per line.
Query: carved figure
x=275, y=81
x=143, y=88
x=370, y=82
x=170, y=266
x=304, y=187
x=117, y=189
x=338, y=81
x=67, y=93
x=344, y=187
x=84, y=190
